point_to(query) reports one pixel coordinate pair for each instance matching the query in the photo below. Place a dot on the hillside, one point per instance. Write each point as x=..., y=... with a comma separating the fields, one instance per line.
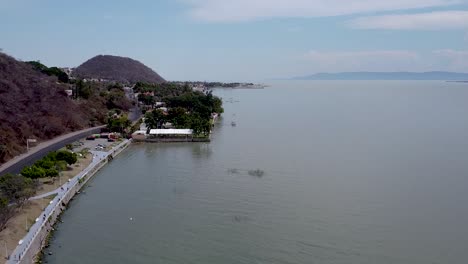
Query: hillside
x=437, y=75
x=35, y=105
x=115, y=68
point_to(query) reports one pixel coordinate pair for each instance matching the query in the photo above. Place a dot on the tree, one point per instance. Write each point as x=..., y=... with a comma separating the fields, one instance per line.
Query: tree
x=200, y=126
x=154, y=119
x=45, y=163
x=6, y=211
x=218, y=105
x=118, y=124
x=146, y=99
x=52, y=172
x=14, y=191
x=67, y=156
x=16, y=188
x=33, y=172
x=61, y=75
x=179, y=118
x=83, y=89
x=116, y=99
x=117, y=86
x=61, y=165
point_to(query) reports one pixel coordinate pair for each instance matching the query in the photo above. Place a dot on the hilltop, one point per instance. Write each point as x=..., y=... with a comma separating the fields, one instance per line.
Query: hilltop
x=435, y=75
x=36, y=105
x=115, y=68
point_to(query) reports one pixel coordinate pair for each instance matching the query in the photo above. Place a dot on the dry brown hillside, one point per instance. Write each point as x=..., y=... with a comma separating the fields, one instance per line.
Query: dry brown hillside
x=35, y=105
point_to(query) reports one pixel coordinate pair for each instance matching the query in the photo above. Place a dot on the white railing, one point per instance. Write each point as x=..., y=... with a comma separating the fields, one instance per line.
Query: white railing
x=18, y=255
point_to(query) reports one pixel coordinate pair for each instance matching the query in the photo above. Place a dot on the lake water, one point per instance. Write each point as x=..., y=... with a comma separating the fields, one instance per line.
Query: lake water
x=354, y=172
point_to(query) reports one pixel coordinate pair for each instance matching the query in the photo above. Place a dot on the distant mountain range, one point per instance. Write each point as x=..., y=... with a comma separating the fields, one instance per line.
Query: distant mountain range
x=435, y=75
x=116, y=68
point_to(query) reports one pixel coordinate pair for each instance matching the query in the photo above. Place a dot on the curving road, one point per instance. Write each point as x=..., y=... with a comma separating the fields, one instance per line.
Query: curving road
x=26, y=159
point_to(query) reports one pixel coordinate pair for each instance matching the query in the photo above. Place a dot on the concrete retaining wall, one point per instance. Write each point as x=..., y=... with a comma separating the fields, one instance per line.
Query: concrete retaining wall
x=38, y=242
x=169, y=140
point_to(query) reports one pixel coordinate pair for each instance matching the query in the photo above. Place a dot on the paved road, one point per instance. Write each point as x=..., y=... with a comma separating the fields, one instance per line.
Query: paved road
x=16, y=164
x=134, y=114
x=61, y=192
x=97, y=155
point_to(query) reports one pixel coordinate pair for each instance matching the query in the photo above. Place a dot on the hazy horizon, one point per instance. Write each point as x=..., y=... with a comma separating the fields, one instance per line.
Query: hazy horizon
x=214, y=40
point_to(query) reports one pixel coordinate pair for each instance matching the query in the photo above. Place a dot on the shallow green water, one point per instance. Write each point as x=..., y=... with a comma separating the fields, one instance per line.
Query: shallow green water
x=355, y=172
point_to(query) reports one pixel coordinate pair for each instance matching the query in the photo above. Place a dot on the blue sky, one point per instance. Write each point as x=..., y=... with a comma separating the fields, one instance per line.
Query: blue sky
x=243, y=39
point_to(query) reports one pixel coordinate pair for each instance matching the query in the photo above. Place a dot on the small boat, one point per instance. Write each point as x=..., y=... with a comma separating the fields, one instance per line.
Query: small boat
x=233, y=124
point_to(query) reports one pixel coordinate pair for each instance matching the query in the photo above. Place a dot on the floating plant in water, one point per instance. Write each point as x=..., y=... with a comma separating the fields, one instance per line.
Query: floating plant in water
x=258, y=173
x=233, y=171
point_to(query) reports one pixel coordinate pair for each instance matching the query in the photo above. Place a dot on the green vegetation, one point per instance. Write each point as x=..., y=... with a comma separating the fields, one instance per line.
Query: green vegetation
x=136, y=126
x=189, y=110
x=118, y=123
x=203, y=104
x=216, y=84
x=155, y=119
x=110, y=95
x=14, y=191
x=52, y=71
x=50, y=165
x=159, y=91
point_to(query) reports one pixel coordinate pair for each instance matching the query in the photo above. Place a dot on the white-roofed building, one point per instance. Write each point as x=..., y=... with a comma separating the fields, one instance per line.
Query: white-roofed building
x=170, y=135
x=171, y=132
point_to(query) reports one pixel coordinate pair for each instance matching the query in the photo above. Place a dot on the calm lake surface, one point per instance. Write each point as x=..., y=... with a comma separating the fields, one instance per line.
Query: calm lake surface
x=354, y=172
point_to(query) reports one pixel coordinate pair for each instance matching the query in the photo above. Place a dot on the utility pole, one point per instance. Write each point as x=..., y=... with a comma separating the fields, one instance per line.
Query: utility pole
x=6, y=251
x=32, y=140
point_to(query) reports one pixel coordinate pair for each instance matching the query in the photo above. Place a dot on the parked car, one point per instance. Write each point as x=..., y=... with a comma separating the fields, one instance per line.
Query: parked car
x=90, y=138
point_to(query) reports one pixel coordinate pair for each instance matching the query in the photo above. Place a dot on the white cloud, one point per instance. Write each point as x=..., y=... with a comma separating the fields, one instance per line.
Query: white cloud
x=422, y=21
x=246, y=10
x=377, y=60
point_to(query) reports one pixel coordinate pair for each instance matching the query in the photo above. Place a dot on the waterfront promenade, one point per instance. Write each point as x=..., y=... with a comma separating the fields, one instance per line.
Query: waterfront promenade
x=43, y=224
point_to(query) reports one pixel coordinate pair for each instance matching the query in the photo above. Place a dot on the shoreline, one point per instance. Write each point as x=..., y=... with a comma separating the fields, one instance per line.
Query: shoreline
x=35, y=240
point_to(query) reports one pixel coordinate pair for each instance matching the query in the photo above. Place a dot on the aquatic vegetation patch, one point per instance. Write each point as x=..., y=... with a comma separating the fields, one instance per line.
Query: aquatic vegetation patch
x=257, y=173
x=233, y=171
